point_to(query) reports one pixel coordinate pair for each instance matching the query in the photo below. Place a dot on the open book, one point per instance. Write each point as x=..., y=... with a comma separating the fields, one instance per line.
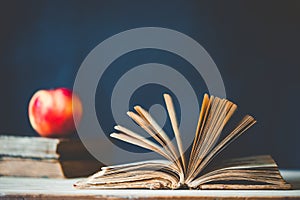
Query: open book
x=193, y=171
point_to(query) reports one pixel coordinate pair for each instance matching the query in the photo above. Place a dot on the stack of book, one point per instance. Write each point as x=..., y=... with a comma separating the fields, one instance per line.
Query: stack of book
x=45, y=157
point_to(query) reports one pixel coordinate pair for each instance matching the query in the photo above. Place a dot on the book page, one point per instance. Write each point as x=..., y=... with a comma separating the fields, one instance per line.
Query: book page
x=255, y=170
x=144, y=143
x=134, y=175
x=174, y=123
x=149, y=129
x=217, y=114
x=245, y=124
x=145, y=120
x=158, y=131
x=201, y=121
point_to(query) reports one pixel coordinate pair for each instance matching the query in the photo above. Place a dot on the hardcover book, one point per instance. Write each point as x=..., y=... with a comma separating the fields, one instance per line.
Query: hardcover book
x=45, y=157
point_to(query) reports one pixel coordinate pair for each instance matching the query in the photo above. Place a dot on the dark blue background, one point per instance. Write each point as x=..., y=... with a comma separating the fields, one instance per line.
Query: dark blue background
x=255, y=45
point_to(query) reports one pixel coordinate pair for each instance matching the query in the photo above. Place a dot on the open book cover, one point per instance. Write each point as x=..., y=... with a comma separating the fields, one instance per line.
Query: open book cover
x=194, y=172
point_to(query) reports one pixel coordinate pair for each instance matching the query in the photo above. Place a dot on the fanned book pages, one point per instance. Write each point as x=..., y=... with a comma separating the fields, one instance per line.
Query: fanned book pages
x=193, y=171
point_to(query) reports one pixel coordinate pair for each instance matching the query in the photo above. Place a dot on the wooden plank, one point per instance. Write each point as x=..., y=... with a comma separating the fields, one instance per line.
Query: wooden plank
x=38, y=188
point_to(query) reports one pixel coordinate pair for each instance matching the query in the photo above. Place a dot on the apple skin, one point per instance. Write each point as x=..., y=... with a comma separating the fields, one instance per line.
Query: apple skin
x=52, y=112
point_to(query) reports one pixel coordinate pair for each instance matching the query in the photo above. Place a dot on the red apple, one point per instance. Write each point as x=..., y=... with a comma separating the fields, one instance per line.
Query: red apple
x=51, y=112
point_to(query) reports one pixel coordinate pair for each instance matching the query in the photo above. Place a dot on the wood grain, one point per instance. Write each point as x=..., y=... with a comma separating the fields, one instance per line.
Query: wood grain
x=43, y=188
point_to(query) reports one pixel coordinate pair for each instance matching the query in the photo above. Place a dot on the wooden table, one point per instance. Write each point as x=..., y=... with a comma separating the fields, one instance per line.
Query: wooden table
x=38, y=188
